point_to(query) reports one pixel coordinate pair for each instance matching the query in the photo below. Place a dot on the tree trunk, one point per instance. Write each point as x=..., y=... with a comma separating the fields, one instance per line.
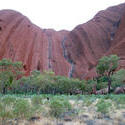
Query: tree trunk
x=14, y=91
x=109, y=86
x=4, y=90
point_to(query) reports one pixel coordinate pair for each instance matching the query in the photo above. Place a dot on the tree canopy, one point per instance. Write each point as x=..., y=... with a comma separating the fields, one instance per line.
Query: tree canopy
x=9, y=71
x=106, y=67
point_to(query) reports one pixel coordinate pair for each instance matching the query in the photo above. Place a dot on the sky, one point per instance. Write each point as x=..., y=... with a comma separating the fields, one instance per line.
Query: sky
x=58, y=14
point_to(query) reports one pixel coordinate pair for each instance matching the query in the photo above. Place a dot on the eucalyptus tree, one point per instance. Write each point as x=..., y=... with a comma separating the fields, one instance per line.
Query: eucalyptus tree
x=9, y=71
x=106, y=67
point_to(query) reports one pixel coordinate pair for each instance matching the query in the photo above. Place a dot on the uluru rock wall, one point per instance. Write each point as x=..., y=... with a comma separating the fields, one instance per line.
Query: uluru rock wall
x=37, y=48
x=89, y=41
x=71, y=53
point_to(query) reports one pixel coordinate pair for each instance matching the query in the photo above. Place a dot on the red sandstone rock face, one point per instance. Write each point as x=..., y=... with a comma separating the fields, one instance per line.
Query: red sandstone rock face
x=37, y=48
x=89, y=41
x=71, y=53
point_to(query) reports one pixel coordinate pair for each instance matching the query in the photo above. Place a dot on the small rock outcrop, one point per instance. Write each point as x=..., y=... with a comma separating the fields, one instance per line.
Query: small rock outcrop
x=120, y=90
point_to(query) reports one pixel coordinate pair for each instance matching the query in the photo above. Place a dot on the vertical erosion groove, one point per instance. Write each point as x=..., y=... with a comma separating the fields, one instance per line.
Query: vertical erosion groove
x=31, y=53
x=70, y=61
x=0, y=28
x=71, y=71
x=49, y=51
x=38, y=66
x=114, y=29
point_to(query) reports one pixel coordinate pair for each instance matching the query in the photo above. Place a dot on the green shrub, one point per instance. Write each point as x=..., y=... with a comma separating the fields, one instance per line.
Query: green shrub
x=87, y=101
x=103, y=106
x=22, y=109
x=8, y=100
x=6, y=109
x=36, y=100
x=119, y=101
x=101, y=85
x=66, y=85
x=57, y=107
x=89, y=86
x=118, y=78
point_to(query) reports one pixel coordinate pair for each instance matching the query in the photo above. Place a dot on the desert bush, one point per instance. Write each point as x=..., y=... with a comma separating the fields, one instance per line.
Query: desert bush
x=57, y=107
x=103, y=106
x=118, y=78
x=87, y=101
x=68, y=86
x=8, y=99
x=37, y=103
x=101, y=82
x=101, y=85
x=22, y=109
x=89, y=86
x=36, y=100
x=6, y=109
x=48, y=83
x=119, y=101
